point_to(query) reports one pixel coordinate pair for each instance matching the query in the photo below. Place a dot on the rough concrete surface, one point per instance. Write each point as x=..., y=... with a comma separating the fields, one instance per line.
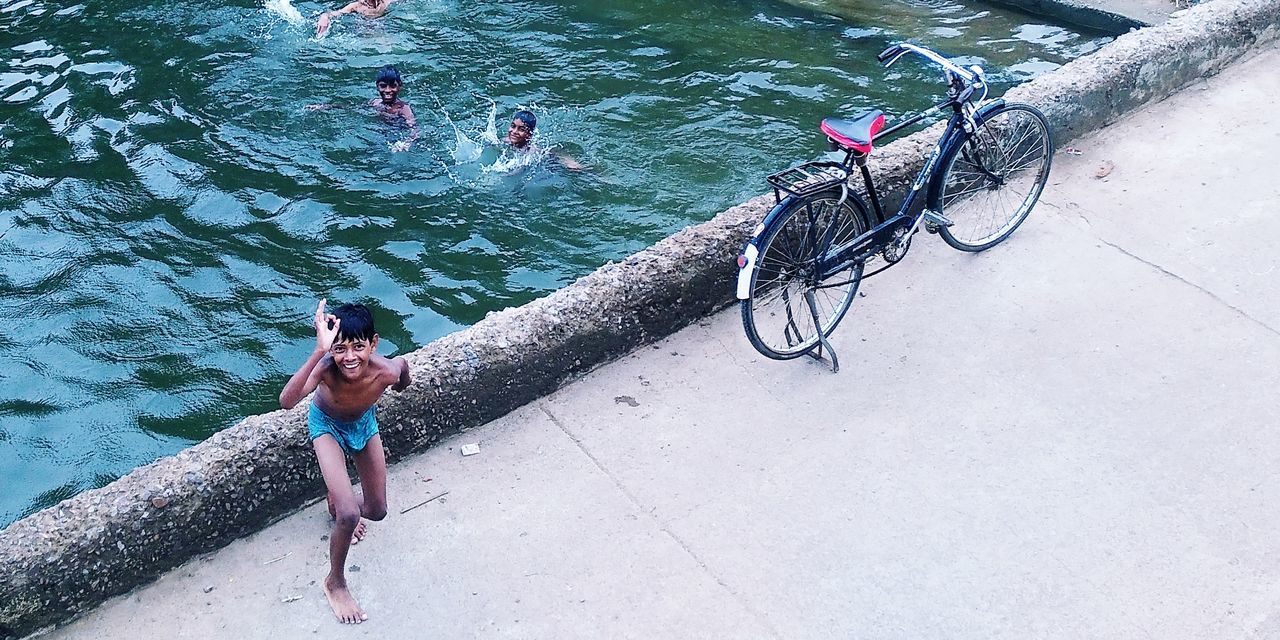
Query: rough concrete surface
x=1068, y=436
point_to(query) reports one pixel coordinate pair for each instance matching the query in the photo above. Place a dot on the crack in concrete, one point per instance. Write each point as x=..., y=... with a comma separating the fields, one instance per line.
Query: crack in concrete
x=1064, y=214
x=1242, y=313
x=760, y=618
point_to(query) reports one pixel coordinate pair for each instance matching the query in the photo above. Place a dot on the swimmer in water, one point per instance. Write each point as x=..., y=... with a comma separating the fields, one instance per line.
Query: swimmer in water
x=388, y=106
x=520, y=137
x=366, y=8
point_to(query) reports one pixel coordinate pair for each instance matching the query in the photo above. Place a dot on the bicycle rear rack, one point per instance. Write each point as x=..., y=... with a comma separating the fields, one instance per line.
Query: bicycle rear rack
x=807, y=179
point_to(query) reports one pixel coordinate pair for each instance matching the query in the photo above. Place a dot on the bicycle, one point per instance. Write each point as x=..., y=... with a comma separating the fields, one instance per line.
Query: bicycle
x=799, y=272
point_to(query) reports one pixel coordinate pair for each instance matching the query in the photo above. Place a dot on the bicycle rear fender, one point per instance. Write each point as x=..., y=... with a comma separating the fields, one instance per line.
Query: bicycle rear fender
x=750, y=252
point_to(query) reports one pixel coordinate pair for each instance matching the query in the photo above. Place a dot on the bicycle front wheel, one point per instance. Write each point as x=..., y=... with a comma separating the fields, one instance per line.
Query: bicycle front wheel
x=777, y=316
x=993, y=177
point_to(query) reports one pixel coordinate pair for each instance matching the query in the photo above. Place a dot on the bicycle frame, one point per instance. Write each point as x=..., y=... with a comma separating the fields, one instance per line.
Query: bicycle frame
x=833, y=260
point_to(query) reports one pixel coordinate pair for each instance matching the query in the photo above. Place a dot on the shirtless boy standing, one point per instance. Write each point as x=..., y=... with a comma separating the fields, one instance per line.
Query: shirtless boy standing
x=350, y=378
x=366, y=8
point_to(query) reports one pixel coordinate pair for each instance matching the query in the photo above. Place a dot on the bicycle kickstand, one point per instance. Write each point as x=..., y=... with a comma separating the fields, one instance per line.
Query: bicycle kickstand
x=816, y=354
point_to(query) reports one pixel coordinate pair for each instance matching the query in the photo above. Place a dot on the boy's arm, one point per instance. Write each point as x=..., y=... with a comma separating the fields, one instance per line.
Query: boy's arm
x=404, y=143
x=405, y=379
x=568, y=161
x=304, y=380
x=322, y=25
x=307, y=377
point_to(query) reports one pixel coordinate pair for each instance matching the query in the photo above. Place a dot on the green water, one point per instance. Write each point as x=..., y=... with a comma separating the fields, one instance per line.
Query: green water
x=170, y=212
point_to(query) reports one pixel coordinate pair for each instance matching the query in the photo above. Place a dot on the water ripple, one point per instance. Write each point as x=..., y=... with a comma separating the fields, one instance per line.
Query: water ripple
x=170, y=210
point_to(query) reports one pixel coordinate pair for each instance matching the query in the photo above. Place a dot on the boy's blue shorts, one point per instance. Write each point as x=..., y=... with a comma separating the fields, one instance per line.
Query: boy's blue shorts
x=352, y=436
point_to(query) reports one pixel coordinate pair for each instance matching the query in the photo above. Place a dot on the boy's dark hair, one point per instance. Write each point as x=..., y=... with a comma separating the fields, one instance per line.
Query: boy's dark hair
x=527, y=118
x=357, y=323
x=389, y=74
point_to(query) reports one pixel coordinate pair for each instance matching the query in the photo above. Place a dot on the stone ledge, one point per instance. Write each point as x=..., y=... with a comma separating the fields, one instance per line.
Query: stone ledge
x=1113, y=19
x=70, y=557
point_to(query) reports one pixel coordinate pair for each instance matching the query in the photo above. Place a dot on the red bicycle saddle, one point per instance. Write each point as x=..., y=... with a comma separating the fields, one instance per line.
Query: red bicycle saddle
x=856, y=133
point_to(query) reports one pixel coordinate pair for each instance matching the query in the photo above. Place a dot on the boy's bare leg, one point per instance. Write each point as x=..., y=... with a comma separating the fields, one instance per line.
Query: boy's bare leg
x=346, y=509
x=360, y=528
x=371, y=465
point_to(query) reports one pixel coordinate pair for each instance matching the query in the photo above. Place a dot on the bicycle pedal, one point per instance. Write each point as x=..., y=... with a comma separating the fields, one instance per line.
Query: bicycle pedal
x=931, y=227
x=934, y=219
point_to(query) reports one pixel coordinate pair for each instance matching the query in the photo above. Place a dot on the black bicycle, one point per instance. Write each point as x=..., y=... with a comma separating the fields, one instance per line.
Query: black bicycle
x=799, y=272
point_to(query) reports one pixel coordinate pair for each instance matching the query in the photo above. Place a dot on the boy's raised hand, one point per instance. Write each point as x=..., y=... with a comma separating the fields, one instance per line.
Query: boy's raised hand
x=326, y=327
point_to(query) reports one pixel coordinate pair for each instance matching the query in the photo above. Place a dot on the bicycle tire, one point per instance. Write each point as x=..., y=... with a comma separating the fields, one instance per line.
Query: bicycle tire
x=988, y=203
x=775, y=315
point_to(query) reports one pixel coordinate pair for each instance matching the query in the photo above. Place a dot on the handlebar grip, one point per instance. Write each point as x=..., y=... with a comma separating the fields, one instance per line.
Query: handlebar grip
x=893, y=50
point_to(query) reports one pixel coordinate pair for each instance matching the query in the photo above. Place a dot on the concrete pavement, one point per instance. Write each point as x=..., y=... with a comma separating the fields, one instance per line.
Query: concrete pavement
x=1067, y=436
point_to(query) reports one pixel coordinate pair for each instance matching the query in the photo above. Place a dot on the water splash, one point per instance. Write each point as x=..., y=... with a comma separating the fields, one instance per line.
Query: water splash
x=467, y=150
x=482, y=145
x=286, y=10
x=491, y=129
x=464, y=148
x=514, y=160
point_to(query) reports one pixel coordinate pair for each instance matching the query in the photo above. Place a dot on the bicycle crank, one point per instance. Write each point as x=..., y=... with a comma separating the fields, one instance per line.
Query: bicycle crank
x=897, y=246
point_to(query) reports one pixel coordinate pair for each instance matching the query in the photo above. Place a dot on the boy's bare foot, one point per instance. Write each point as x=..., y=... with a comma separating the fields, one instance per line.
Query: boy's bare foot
x=342, y=602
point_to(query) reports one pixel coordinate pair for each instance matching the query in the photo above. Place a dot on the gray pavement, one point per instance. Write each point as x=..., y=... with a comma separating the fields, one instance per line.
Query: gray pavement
x=1068, y=436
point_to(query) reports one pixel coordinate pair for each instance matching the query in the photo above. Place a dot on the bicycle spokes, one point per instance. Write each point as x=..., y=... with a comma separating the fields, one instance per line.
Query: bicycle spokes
x=996, y=177
x=789, y=275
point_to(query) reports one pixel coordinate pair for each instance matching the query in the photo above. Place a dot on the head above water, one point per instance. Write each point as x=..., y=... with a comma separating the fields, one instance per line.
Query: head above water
x=522, y=125
x=388, y=83
x=527, y=118
x=388, y=75
x=356, y=324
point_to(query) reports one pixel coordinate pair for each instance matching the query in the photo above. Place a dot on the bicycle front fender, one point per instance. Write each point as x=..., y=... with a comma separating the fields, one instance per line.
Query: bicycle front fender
x=950, y=146
x=959, y=136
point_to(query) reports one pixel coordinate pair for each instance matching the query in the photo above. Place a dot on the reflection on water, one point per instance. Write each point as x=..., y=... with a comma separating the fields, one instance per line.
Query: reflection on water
x=170, y=211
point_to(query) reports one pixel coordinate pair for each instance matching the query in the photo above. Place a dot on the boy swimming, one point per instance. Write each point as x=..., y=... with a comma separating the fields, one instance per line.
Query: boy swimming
x=348, y=378
x=520, y=137
x=388, y=106
x=366, y=8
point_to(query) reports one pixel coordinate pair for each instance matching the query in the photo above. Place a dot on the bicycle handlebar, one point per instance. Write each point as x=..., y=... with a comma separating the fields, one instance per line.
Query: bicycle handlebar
x=897, y=50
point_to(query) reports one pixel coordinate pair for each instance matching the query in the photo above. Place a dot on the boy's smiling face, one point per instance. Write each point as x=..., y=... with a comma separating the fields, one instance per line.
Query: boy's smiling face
x=388, y=91
x=519, y=134
x=351, y=357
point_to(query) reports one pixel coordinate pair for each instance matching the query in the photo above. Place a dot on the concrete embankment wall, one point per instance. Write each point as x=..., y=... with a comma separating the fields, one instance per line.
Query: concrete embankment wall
x=70, y=557
x=1077, y=13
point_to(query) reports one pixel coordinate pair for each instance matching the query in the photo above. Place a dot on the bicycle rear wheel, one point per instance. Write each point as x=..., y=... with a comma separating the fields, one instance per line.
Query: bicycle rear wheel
x=993, y=177
x=776, y=316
